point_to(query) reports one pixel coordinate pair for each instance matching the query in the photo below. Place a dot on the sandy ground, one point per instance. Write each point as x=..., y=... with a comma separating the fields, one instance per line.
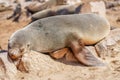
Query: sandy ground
x=113, y=16
x=60, y=70
x=7, y=27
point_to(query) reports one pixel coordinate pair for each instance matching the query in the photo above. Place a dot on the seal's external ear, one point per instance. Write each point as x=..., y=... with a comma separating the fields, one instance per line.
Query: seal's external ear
x=28, y=45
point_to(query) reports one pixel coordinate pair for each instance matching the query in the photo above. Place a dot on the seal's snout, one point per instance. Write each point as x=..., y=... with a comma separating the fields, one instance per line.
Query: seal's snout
x=14, y=54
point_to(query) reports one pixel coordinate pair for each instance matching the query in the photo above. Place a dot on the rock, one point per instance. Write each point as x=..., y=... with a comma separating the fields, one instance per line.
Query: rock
x=110, y=46
x=8, y=69
x=97, y=7
x=35, y=62
x=2, y=69
x=71, y=2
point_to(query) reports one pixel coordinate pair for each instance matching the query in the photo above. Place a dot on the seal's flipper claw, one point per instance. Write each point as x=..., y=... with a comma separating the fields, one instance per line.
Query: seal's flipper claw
x=84, y=55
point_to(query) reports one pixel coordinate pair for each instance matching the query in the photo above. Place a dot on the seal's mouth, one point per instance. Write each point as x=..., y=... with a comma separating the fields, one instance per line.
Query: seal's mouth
x=13, y=57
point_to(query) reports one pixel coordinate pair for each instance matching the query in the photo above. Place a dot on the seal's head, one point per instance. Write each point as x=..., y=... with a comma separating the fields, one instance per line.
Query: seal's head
x=18, y=45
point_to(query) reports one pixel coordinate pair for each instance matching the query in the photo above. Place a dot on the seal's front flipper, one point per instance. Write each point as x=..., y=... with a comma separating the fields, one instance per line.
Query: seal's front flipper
x=59, y=53
x=84, y=55
x=20, y=66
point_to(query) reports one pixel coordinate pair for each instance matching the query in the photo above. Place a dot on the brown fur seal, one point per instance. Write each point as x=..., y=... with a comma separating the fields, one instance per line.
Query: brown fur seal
x=53, y=33
x=58, y=10
x=35, y=7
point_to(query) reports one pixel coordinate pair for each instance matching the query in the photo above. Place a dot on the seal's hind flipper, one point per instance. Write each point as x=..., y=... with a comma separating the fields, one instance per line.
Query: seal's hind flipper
x=84, y=55
x=90, y=59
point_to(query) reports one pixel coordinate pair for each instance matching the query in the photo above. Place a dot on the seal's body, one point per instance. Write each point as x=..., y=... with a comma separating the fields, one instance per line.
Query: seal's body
x=54, y=33
x=37, y=6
